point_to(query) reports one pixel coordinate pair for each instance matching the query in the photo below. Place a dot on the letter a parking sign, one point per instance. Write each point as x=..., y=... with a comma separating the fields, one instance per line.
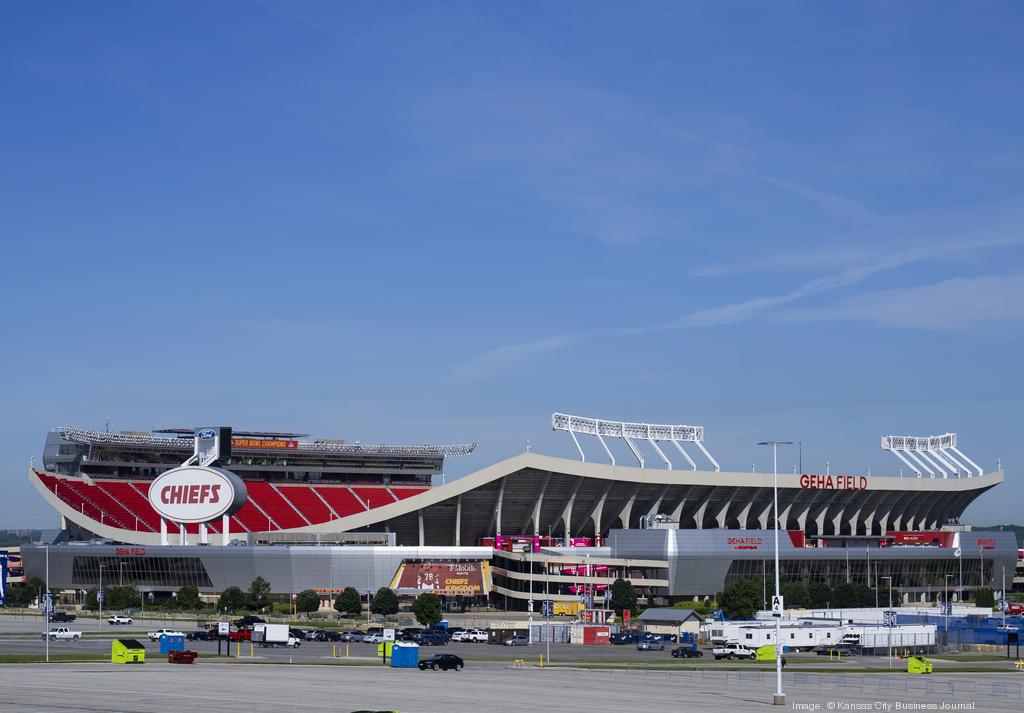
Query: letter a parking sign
x=777, y=605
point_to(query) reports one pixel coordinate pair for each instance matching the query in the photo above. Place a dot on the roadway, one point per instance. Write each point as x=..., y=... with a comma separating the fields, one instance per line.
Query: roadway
x=230, y=688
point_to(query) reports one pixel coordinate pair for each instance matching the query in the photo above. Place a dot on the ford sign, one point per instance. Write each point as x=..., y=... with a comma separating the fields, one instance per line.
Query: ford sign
x=192, y=494
x=207, y=433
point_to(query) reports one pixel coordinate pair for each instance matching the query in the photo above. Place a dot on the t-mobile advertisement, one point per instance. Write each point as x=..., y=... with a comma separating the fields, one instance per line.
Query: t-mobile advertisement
x=450, y=579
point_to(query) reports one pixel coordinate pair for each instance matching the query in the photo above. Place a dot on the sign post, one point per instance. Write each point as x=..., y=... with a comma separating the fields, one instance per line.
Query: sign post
x=389, y=638
x=777, y=605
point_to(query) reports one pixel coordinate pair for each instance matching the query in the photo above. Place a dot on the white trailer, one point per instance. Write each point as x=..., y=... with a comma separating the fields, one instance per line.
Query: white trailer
x=804, y=635
x=273, y=635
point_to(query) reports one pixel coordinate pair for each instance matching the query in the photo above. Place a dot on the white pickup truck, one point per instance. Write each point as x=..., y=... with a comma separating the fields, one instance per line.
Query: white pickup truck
x=470, y=635
x=155, y=635
x=62, y=632
x=734, y=651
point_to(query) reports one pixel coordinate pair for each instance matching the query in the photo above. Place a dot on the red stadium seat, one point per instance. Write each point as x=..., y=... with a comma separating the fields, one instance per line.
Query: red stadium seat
x=374, y=495
x=125, y=504
x=271, y=502
x=306, y=500
x=341, y=499
x=405, y=491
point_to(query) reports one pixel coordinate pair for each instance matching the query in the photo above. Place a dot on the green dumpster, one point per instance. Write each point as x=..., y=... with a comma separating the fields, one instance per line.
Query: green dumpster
x=127, y=651
x=918, y=664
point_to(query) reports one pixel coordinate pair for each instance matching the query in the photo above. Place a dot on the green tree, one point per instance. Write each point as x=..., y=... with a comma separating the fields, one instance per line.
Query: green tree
x=741, y=598
x=259, y=593
x=118, y=598
x=188, y=598
x=623, y=596
x=349, y=603
x=427, y=608
x=21, y=595
x=385, y=602
x=848, y=595
x=91, y=600
x=232, y=599
x=795, y=595
x=307, y=601
x=819, y=594
x=984, y=597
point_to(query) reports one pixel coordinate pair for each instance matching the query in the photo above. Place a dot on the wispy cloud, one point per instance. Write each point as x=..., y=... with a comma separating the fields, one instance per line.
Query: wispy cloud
x=840, y=205
x=811, y=260
x=957, y=303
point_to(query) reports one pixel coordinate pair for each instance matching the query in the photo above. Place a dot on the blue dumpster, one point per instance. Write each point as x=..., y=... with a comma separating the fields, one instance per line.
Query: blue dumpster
x=405, y=656
x=171, y=643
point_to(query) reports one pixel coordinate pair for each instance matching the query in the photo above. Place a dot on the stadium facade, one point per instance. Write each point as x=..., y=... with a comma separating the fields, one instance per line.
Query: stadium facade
x=323, y=513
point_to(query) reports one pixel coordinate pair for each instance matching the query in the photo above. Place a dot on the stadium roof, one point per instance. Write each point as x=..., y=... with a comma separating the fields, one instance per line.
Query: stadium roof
x=184, y=443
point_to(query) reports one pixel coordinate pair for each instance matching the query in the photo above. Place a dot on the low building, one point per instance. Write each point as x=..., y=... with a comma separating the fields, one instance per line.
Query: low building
x=670, y=621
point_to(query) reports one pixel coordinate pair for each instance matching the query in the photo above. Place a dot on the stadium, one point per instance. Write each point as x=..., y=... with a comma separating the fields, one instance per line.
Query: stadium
x=322, y=514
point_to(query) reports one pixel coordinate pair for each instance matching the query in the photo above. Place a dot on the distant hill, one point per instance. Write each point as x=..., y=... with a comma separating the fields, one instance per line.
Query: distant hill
x=1018, y=530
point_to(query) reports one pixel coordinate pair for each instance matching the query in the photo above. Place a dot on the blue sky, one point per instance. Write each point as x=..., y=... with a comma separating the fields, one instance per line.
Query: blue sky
x=413, y=222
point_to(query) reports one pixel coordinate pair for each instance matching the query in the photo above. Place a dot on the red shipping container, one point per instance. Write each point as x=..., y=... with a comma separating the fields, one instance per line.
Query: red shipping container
x=596, y=635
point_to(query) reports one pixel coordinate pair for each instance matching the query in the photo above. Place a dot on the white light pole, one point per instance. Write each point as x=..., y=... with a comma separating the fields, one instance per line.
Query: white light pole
x=947, y=605
x=99, y=595
x=48, y=609
x=529, y=625
x=780, y=697
x=888, y=616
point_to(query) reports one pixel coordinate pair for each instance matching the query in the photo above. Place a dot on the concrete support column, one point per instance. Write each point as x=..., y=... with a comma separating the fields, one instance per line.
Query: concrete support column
x=163, y=531
x=225, y=528
x=458, y=520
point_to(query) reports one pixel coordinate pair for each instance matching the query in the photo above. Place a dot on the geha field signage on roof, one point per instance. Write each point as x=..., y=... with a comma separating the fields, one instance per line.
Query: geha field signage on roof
x=834, y=482
x=194, y=494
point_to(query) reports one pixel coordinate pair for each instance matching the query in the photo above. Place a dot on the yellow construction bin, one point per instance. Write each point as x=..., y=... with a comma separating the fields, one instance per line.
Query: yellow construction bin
x=766, y=652
x=919, y=664
x=127, y=651
x=384, y=649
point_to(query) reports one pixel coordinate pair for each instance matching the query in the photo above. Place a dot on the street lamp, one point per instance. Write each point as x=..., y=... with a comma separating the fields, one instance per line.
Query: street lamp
x=99, y=594
x=888, y=616
x=780, y=697
x=947, y=605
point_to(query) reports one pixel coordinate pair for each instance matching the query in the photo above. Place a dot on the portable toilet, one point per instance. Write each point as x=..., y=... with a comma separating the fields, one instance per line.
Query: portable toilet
x=171, y=643
x=918, y=664
x=405, y=655
x=127, y=651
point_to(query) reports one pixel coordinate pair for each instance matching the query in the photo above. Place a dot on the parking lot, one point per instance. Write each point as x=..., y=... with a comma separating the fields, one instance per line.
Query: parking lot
x=271, y=688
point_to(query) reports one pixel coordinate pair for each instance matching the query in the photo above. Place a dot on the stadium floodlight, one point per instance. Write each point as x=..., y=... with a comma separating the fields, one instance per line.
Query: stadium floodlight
x=151, y=442
x=628, y=432
x=931, y=454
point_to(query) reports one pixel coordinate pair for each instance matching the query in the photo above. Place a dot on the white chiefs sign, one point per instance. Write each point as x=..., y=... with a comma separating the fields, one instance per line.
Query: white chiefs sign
x=192, y=494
